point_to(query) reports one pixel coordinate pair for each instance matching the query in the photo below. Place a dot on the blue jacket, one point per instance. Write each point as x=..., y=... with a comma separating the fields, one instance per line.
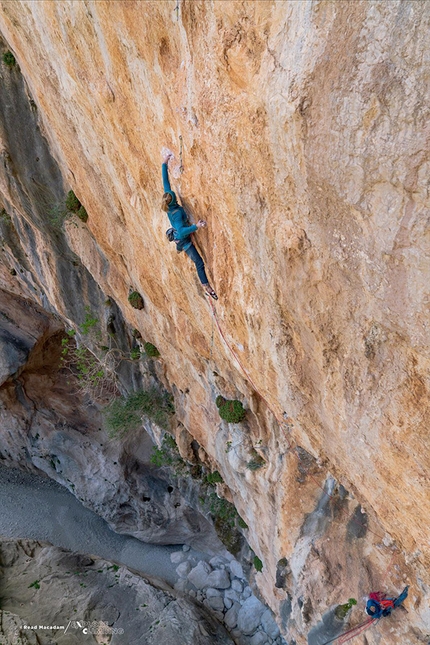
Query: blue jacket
x=176, y=214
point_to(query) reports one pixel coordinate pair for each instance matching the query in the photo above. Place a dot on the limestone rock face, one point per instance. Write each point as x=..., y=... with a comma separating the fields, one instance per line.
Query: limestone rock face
x=300, y=133
x=43, y=587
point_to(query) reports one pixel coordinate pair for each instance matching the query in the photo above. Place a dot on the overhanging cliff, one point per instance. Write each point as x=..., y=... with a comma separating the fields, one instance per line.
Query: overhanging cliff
x=304, y=139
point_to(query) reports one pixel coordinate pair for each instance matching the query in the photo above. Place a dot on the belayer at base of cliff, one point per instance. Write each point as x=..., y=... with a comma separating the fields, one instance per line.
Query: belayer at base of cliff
x=180, y=233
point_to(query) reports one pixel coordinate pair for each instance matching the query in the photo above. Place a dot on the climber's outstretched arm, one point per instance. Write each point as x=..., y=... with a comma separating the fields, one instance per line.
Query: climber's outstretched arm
x=165, y=172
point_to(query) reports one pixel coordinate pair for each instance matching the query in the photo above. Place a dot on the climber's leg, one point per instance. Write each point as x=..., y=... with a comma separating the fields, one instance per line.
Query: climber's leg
x=200, y=266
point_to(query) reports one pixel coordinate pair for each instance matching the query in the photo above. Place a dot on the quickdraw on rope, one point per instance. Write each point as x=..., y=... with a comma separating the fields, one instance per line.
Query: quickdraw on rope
x=177, y=10
x=181, y=167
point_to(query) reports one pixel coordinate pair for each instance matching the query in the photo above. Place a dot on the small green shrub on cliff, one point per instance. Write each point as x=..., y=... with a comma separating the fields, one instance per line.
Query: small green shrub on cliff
x=256, y=462
x=73, y=205
x=258, y=564
x=135, y=354
x=231, y=411
x=342, y=610
x=219, y=401
x=151, y=350
x=89, y=323
x=136, y=300
x=125, y=414
x=72, y=202
x=9, y=59
x=168, y=455
x=82, y=214
x=214, y=478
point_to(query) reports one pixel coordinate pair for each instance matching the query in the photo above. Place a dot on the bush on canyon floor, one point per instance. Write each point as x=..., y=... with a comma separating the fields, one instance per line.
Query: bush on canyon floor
x=231, y=411
x=125, y=414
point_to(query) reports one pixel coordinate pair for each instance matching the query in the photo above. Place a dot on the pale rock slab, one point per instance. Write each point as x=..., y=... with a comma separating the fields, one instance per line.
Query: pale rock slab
x=199, y=575
x=249, y=615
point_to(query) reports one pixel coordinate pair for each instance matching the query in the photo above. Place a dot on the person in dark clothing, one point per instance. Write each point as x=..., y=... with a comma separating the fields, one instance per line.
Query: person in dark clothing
x=181, y=230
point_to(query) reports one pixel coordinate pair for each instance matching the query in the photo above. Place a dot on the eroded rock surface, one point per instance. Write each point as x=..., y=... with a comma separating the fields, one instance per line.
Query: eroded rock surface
x=45, y=586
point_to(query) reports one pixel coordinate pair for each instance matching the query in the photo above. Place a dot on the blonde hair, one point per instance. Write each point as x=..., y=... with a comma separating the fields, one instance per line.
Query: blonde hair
x=166, y=200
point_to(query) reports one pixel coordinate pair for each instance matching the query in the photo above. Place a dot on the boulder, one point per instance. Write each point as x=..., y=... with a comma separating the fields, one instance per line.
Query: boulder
x=219, y=579
x=199, y=575
x=183, y=569
x=249, y=616
x=236, y=569
x=269, y=625
x=230, y=617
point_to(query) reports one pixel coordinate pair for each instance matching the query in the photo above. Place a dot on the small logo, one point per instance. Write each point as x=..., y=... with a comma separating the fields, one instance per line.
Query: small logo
x=95, y=627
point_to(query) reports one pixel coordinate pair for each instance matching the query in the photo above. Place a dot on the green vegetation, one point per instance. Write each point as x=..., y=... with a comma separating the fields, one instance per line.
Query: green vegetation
x=86, y=367
x=135, y=354
x=224, y=514
x=9, y=59
x=258, y=564
x=124, y=414
x=73, y=205
x=82, y=214
x=256, y=462
x=230, y=411
x=89, y=323
x=214, y=478
x=242, y=523
x=136, y=300
x=151, y=350
x=4, y=216
x=57, y=214
x=168, y=455
x=219, y=401
x=72, y=202
x=342, y=610
x=35, y=584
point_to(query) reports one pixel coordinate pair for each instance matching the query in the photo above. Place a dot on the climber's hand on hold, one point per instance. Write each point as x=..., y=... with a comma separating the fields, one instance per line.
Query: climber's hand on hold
x=201, y=223
x=167, y=157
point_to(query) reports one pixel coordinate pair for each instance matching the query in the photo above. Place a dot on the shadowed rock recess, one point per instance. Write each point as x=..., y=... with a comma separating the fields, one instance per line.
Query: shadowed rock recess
x=300, y=133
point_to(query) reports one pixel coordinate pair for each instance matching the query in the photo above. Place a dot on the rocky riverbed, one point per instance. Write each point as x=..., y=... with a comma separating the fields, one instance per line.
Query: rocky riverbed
x=39, y=509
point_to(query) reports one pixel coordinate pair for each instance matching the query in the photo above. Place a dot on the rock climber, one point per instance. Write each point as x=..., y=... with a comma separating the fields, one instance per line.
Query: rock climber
x=379, y=605
x=181, y=231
